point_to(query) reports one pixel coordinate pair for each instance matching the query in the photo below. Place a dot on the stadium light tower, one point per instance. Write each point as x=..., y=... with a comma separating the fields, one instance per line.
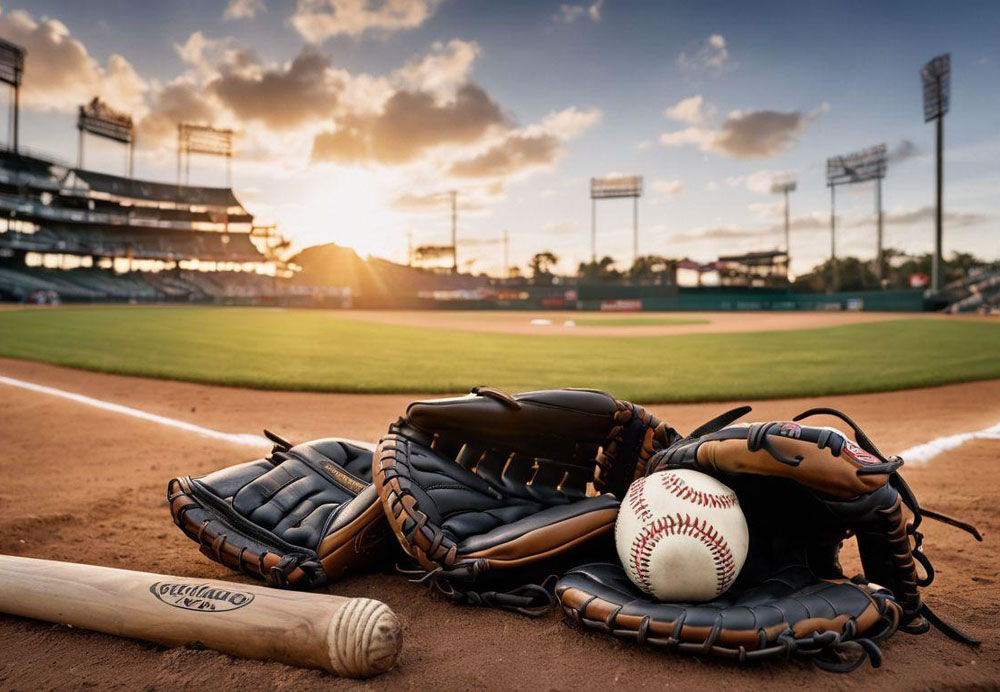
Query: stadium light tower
x=201, y=139
x=936, y=79
x=858, y=167
x=783, y=184
x=100, y=120
x=11, y=72
x=615, y=188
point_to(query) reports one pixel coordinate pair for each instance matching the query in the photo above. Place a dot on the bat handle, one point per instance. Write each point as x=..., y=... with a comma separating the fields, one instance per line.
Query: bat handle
x=363, y=638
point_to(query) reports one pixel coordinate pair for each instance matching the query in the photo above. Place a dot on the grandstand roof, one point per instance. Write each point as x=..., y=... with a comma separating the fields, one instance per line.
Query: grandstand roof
x=48, y=174
x=158, y=192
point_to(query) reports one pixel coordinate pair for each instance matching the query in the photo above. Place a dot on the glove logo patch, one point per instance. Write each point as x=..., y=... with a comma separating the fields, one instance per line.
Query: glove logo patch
x=857, y=454
x=200, y=598
x=790, y=430
x=342, y=478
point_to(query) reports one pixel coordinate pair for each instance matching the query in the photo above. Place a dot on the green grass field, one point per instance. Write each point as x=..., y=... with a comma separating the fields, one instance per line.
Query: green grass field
x=318, y=350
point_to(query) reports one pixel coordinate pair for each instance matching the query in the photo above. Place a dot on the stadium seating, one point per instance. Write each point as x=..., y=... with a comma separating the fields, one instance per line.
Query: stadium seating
x=981, y=293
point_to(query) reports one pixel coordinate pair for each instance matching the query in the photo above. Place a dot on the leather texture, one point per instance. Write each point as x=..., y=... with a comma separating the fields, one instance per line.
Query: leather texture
x=789, y=612
x=804, y=490
x=493, y=482
x=300, y=517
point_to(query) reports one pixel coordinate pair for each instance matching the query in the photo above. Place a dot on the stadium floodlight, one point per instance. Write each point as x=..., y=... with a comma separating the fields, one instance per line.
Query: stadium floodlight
x=202, y=139
x=12, y=72
x=858, y=167
x=615, y=187
x=783, y=184
x=100, y=120
x=936, y=79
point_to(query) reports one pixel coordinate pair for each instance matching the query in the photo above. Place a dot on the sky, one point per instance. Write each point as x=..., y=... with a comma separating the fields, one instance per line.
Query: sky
x=355, y=117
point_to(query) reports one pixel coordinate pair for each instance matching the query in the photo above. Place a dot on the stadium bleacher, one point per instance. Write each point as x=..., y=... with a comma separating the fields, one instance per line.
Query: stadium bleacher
x=55, y=209
x=979, y=293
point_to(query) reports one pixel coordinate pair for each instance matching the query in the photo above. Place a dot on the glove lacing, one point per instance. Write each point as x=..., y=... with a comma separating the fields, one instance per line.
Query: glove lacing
x=533, y=600
x=892, y=465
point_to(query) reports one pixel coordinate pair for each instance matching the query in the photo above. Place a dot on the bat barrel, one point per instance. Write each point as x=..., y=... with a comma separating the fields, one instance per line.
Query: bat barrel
x=353, y=637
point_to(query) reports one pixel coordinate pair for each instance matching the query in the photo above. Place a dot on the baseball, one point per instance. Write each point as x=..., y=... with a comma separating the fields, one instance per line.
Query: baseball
x=681, y=536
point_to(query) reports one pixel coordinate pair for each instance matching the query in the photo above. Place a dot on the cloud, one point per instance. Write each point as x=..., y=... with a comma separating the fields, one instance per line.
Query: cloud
x=820, y=221
x=514, y=153
x=747, y=133
x=536, y=146
x=953, y=219
x=318, y=20
x=691, y=110
x=282, y=97
x=60, y=74
x=570, y=13
x=243, y=9
x=441, y=70
x=435, y=203
x=200, y=51
x=759, y=181
x=570, y=122
x=410, y=123
x=811, y=222
x=711, y=55
x=906, y=149
x=181, y=100
x=667, y=188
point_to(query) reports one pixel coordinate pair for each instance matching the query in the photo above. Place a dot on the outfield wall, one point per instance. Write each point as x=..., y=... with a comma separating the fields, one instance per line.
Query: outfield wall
x=667, y=298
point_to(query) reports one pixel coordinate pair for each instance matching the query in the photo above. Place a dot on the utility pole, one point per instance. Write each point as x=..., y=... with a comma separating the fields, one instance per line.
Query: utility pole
x=833, y=239
x=454, y=235
x=785, y=184
x=879, y=259
x=788, y=227
x=635, y=229
x=593, y=231
x=506, y=254
x=17, y=117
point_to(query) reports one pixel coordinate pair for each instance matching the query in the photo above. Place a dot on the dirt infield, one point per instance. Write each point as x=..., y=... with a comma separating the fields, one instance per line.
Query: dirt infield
x=87, y=485
x=528, y=321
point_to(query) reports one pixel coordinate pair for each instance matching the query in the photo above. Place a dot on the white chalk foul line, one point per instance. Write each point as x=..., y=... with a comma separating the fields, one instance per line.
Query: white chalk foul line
x=234, y=438
x=915, y=456
x=921, y=454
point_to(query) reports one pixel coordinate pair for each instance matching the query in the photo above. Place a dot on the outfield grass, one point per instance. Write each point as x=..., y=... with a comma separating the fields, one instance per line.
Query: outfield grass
x=317, y=350
x=636, y=321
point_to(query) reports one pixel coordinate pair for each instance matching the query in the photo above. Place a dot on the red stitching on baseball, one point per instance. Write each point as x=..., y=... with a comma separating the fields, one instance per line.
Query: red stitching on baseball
x=637, y=502
x=675, y=485
x=642, y=546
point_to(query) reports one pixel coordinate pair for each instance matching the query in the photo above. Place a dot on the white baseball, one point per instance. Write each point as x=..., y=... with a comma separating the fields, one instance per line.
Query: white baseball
x=681, y=535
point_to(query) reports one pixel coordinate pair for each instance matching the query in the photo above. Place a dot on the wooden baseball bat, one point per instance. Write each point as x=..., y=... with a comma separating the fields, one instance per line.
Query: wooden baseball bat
x=352, y=637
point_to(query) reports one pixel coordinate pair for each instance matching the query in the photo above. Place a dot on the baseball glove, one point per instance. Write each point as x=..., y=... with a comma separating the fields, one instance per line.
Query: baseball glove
x=300, y=517
x=804, y=491
x=490, y=493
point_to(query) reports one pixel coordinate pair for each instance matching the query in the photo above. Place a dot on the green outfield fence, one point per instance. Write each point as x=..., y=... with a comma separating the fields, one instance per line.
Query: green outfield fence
x=668, y=298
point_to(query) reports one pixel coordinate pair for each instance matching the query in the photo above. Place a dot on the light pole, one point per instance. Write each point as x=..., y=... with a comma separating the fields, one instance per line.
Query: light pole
x=936, y=79
x=784, y=185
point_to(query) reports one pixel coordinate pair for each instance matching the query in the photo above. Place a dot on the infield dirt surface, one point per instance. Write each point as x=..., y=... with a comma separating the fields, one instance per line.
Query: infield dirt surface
x=86, y=485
